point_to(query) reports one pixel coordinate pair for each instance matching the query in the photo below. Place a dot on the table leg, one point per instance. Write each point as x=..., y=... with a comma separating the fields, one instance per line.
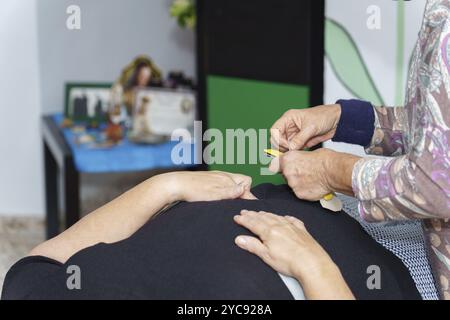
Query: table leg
x=51, y=193
x=71, y=190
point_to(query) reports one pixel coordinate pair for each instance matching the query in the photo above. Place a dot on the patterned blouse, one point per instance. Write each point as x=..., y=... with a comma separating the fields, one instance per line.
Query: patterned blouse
x=414, y=182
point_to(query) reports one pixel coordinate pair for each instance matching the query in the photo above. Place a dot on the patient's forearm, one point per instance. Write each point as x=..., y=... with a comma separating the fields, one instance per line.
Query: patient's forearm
x=123, y=216
x=113, y=222
x=327, y=283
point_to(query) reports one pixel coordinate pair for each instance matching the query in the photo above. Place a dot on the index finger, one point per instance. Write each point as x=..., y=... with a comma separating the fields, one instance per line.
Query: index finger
x=257, y=222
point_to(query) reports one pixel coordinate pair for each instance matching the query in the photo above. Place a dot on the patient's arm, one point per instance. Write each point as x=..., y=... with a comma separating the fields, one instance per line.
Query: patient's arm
x=123, y=216
x=286, y=246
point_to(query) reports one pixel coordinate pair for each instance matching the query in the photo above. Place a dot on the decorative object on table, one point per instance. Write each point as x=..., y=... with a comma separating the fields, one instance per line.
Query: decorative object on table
x=141, y=130
x=140, y=73
x=78, y=129
x=184, y=12
x=114, y=132
x=85, y=139
x=158, y=112
x=178, y=80
x=94, y=139
x=87, y=103
x=66, y=123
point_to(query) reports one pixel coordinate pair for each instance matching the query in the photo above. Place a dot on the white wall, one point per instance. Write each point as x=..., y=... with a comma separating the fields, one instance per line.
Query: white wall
x=112, y=33
x=38, y=54
x=20, y=149
x=378, y=47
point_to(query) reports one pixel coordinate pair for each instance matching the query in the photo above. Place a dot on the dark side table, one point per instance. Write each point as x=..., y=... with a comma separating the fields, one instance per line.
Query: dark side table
x=59, y=163
x=65, y=160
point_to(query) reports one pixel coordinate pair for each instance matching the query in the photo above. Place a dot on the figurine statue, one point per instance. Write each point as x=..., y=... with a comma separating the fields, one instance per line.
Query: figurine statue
x=140, y=73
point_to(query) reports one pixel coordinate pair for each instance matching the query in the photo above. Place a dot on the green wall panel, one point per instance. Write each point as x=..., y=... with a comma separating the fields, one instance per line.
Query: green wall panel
x=237, y=103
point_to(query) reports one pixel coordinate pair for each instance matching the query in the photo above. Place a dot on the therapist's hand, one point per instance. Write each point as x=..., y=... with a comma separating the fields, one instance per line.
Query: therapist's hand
x=208, y=186
x=305, y=172
x=305, y=128
x=314, y=174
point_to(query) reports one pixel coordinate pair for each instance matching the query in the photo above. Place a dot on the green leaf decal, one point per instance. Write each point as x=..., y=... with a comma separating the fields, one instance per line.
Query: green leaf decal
x=348, y=64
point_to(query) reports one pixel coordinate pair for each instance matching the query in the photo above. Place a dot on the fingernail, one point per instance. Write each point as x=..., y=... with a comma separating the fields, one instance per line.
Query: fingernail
x=244, y=211
x=241, y=241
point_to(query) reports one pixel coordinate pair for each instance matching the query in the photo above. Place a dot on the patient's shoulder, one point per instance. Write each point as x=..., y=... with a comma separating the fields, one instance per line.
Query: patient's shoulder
x=28, y=274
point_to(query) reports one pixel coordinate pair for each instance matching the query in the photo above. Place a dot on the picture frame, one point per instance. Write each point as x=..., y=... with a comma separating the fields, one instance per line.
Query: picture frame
x=157, y=112
x=87, y=102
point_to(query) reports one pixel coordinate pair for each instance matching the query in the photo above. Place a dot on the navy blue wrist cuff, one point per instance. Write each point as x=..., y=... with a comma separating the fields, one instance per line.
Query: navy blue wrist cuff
x=357, y=122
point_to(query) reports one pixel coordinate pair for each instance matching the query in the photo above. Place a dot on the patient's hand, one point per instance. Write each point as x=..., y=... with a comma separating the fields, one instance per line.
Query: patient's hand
x=285, y=245
x=209, y=186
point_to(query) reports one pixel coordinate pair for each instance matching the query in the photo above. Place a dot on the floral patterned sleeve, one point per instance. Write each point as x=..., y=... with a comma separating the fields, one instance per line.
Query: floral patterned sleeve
x=406, y=188
x=416, y=184
x=390, y=131
x=402, y=188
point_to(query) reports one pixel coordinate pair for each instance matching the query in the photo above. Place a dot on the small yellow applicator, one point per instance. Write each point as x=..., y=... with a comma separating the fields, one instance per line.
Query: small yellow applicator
x=329, y=201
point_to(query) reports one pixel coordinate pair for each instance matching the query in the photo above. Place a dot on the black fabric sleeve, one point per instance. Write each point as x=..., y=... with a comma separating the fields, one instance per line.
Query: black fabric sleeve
x=26, y=275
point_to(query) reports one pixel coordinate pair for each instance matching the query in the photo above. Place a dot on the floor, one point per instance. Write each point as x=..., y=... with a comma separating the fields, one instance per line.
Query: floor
x=17, y=237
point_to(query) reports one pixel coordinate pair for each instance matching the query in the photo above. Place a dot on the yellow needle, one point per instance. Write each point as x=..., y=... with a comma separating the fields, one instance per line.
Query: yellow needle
x=273, y=153
x=328, y=197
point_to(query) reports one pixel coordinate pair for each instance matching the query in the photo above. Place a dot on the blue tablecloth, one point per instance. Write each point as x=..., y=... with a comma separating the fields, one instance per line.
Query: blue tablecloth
x=127, y=156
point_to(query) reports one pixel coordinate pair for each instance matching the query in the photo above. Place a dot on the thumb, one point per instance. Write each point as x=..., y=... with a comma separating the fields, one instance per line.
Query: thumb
x=248, y=195
x=246, y=183
x=300, y=139
x=234, y=191
x=275, y=165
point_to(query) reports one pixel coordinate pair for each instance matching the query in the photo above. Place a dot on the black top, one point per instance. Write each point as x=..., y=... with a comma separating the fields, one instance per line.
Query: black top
x=188, y=252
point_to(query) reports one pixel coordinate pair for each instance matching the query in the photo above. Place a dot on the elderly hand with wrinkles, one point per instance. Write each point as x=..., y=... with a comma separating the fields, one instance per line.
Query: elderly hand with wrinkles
x=314, y=174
